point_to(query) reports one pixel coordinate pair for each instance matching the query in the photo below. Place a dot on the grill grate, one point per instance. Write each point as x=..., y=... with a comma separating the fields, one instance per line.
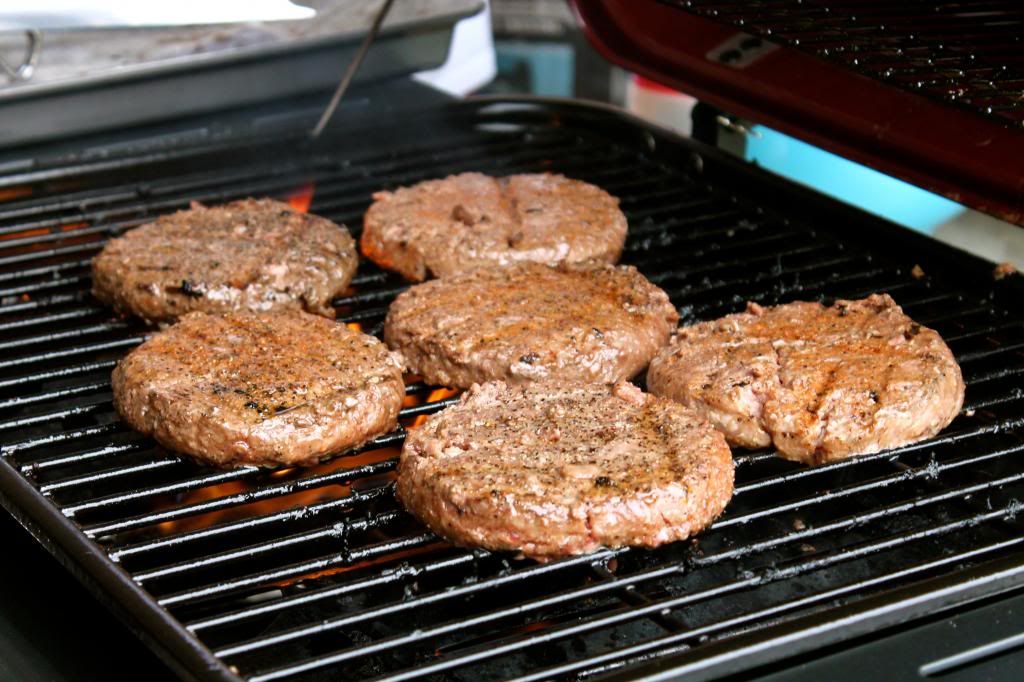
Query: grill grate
x=301, y=574
x=966, y=52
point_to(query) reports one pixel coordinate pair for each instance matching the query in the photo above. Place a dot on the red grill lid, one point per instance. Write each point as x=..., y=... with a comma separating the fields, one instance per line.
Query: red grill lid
x=932, y=92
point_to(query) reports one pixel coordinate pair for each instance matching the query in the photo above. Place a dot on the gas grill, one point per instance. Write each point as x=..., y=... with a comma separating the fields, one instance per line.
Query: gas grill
x=319, y=574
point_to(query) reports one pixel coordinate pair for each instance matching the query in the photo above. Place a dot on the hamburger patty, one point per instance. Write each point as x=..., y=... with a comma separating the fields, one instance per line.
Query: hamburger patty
x=530, y=321
x=254, y=254
x=819, y=383
x=553, y=470
x=259, y=388
x=442, y=227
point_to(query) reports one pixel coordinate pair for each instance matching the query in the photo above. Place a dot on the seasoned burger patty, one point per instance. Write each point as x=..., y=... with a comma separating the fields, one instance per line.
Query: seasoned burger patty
x=819, y=383
x=465, y=221
x=557, y=469
x=529, y=321
x=259, y=388
x=247, y=255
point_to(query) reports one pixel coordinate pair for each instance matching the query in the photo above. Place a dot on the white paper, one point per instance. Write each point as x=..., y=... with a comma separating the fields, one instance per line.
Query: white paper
x=67, y=14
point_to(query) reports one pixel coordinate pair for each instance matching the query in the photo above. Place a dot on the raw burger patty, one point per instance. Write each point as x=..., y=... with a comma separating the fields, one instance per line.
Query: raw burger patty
x=819, y=383
x=530, y=321
x=259, y=388
x=442, y=227
x=553, y=470
x=247, y=255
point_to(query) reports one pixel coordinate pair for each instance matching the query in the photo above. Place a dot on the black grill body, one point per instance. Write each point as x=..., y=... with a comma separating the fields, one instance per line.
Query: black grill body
x=312, y=574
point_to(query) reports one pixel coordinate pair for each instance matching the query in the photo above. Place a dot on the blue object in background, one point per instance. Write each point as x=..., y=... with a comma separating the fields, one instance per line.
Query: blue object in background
x=550, y=65
x=850, y=182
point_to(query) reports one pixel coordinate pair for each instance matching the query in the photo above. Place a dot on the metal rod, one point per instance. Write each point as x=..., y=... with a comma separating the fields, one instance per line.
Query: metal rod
x=27, y=67
x=228, y=528
x=276, y=545
x=343, y=558
x=194, y=509
x=353, y=67
x=466, y=559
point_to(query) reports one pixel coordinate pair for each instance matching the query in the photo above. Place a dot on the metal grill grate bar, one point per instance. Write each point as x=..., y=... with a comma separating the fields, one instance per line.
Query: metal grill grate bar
x=81, y=457
x=693, y=634
x=265, y=492
x=54, y=395
x=772, y=575
x=189, y=484
x=88, y=349
x=228, y=529
x=930, y=471
x=402, y=574
x=344, y=558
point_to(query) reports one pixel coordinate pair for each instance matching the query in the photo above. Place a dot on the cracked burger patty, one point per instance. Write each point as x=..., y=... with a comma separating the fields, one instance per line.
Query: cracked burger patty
x=820, y=383
x=529, y=322
x=259, y=388
x=552, y=470
x=442, y=227
x=254, y=254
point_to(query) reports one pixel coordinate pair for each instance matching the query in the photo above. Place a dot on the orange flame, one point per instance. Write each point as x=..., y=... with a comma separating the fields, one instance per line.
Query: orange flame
x=301, y=498
x=298, y=499
x=301, y=198
x=40, y=231
x=435, y=395
x=391, y=557
x=10, y=193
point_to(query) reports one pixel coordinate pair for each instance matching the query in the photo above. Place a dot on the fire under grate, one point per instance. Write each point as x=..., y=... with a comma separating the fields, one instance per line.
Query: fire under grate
x=305, y=574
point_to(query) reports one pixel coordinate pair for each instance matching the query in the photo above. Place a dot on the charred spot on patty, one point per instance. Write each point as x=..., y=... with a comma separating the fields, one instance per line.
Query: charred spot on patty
x=192, y=289
x=912, y=331
x=461, y=214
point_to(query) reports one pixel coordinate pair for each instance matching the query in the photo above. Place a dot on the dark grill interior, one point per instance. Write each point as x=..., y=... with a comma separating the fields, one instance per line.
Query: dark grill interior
x=967, y=52
x=308, y=573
